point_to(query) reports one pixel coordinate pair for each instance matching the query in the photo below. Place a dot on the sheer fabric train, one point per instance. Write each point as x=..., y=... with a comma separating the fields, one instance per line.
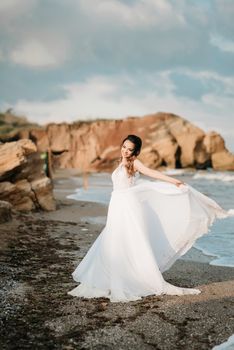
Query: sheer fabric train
x=150, y=224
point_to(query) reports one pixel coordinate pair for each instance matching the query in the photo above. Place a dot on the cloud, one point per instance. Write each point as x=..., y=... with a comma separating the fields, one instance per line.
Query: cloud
x=34, y=54
x=223, y=44
x=29, y=37
x=101, y=94
x=111, y=34
x=223, y=85
x=13, y=6
x=139, y=14
x=12, y=9
x=225, y=10
x=222, y=19
x=124, y=95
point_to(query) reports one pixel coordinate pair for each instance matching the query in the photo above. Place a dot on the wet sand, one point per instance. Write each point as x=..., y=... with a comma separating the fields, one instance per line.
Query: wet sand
x=40, y=250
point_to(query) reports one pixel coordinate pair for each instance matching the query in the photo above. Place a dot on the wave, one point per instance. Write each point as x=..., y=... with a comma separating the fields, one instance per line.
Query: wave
x=223, y=261
x=215, y=176
x=227, y=345
x=217, y=260
x=178, y=172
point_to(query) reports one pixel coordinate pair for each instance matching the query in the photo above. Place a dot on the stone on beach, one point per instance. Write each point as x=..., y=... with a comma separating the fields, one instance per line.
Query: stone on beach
x=5, y=211
x=23, y=182
x=13, y=154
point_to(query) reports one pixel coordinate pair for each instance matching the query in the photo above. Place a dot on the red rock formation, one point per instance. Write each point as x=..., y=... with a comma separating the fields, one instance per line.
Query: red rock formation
x=214, y=142
x=167, y=140
x=221, y=158
x=94, y=146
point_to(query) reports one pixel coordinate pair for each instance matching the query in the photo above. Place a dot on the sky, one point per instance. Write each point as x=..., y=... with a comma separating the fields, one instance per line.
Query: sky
x=67, y=60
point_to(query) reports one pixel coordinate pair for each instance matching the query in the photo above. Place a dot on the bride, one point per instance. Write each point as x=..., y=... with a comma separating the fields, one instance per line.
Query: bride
x=150, y=224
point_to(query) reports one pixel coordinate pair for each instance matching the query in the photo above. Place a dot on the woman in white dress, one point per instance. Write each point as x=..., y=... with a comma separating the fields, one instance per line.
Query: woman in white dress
x=150, y=224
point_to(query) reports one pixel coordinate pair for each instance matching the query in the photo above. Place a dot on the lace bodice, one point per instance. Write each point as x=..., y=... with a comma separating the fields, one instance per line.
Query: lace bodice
x=121, y=180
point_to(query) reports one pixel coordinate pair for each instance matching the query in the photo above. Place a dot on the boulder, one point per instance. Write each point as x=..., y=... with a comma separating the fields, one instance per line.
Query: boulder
x=23, y=182
x=42, y=189
x=187, y=136
x=5, y=212
x=13, y=154
x=214, y=142
x=223, y=160
x=202, y=158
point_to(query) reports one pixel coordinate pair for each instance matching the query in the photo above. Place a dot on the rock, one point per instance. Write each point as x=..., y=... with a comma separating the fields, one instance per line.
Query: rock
x=165, y=145
x=223, y=160
x=95, y=146
x=23, y=182
x=202, y=158
x=151, y=157
x=42, y=188
x=14, y=127
x=18, y=194
x=187, y=136
x=40, y=137
x=168, y=140
x=5, y=211
x=214, y=142
x=25, y=204
x=13, y=154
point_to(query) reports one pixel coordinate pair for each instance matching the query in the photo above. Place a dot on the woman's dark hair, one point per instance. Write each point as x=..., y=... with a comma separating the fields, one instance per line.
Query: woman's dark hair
x=136, y=140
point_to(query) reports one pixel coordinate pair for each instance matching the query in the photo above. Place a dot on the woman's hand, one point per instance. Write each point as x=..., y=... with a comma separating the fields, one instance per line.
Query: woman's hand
x=178, y=183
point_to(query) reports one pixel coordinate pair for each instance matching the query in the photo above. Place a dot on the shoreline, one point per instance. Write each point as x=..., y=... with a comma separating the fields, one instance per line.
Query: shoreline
x=40, y=251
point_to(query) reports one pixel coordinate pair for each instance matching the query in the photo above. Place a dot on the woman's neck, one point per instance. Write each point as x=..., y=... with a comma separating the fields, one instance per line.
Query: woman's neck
x=124, y=161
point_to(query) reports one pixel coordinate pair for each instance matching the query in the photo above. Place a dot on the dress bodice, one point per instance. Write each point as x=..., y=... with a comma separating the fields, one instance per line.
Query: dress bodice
x=121, y=180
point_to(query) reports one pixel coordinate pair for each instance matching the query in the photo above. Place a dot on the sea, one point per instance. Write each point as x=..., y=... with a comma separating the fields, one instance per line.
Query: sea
x=218, y=243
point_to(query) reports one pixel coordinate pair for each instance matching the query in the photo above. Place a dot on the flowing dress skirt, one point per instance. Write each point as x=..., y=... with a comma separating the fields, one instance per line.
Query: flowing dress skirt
x=149, y=226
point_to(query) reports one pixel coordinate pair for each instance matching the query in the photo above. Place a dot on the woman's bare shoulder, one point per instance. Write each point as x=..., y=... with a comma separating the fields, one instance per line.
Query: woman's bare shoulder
x=142, y=168
x=137, y=164
x=137, y=161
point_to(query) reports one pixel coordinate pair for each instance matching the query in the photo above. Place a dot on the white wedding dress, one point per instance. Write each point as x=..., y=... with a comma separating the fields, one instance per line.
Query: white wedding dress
x=150, y=224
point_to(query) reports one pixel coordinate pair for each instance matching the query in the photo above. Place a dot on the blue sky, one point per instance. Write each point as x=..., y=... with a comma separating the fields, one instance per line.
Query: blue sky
x=85, y=59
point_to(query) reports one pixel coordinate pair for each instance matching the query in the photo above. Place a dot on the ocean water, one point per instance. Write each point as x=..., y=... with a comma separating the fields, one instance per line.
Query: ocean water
x=218, y=243
x=227, y=345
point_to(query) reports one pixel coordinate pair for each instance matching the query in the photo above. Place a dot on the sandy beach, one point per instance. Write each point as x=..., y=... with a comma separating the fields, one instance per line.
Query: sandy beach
x=39, y=252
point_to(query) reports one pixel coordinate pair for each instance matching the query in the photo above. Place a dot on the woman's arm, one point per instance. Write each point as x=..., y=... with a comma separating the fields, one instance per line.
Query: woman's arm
x=138, y=165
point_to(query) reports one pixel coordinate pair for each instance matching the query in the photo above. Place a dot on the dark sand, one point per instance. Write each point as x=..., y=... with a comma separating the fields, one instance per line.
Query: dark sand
x=39, y=253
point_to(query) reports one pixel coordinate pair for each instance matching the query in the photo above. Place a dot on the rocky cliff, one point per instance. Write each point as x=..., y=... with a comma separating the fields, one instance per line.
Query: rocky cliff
x=168, y=140
x=23, y=182
x=11, y=125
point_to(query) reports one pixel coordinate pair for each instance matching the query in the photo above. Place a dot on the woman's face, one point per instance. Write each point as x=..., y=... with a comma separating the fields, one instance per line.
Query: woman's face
x=127, y=149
